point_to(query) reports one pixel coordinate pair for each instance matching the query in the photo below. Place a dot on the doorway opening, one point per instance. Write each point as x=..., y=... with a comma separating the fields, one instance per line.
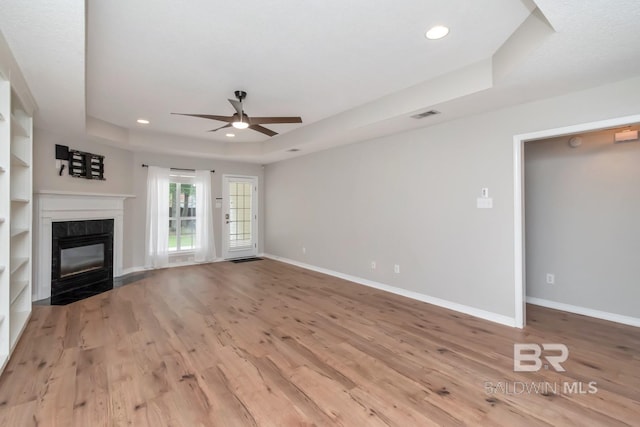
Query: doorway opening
x=519, y=207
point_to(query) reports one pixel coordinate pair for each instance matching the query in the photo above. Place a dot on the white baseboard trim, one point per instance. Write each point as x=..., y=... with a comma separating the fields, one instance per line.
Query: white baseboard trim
x=604, y=315
x=476, y=312
x=177, y=264
x=131, y=270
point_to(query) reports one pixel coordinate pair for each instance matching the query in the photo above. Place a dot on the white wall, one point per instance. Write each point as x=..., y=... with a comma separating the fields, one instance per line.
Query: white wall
x=118, y=165
x=582, y=222
x=125, y=175
x=135, y=209
x=410, y=199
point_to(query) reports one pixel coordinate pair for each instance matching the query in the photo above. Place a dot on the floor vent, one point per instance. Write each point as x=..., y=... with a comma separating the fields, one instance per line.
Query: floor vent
x=425, y=114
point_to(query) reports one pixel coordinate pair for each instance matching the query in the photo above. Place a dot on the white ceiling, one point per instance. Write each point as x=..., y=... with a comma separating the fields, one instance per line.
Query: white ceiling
x=48, y=41
x=353, y=70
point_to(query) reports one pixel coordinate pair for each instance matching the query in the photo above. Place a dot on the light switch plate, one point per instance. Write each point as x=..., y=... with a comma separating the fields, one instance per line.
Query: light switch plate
x=485, y=203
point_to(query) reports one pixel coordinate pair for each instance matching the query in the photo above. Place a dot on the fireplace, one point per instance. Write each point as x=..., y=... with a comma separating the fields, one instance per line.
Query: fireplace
x=81, y=259
x=53, y=207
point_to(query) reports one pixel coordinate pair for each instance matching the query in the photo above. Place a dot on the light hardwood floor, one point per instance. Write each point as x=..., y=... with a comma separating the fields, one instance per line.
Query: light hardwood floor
x=265, y=343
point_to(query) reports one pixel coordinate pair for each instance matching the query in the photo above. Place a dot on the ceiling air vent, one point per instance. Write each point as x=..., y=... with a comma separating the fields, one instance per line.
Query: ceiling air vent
x=293, y=150
x=425, y=114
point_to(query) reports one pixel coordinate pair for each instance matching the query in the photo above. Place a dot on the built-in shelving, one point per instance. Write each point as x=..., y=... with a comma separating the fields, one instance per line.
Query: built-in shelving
x=16, y=191
x=18, y=231
x=17, y=161
x=17, y=288
x=17, y=129
x=18, y=322
x=16, y=263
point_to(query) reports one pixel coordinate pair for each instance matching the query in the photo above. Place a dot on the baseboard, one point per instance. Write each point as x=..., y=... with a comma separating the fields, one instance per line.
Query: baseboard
x=604, y=315
x=177, y=264
x=131, y=270
x=461, y=308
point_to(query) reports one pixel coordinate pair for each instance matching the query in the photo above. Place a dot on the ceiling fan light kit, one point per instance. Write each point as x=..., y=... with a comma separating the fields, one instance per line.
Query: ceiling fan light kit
x=240, y=120
x=240, y=124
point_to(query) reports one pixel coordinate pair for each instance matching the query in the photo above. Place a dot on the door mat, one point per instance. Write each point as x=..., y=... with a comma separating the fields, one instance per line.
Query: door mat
x=238, y=261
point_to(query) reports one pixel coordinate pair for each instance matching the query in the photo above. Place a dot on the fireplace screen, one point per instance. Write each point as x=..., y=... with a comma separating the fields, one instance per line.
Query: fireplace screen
x=81, y=259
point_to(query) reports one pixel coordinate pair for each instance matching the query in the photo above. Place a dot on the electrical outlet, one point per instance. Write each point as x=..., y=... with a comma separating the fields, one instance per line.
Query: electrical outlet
x=304, y=250
x=373, y=265
x=551, y=278
x=396, y=268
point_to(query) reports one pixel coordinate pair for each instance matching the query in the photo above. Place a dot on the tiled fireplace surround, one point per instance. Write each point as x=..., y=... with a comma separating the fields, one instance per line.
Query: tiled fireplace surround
x=57, y=206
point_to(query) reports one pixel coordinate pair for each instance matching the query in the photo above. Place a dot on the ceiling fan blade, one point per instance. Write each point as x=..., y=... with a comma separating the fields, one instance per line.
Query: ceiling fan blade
x=237, y=105
x=271, y=120
x=263, y=129
x=228, y=125
x=227, y=119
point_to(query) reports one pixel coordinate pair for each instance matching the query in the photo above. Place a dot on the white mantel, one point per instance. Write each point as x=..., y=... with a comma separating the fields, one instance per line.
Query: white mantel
x=55, y=206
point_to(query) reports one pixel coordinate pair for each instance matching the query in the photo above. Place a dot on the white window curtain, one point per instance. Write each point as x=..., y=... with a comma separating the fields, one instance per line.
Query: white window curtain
x=157, y=236
x=205, y=248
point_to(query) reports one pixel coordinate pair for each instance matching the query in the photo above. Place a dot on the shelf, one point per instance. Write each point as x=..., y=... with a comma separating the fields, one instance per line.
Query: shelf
x=16, y=263
x=17, y=288
x=17, y=161
x=18, y=231
x=4, y=358
x=16, y=200
x=17, y=322
x=17, y=128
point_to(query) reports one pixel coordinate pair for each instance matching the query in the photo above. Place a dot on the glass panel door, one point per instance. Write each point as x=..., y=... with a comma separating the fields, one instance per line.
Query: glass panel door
x=240, y=195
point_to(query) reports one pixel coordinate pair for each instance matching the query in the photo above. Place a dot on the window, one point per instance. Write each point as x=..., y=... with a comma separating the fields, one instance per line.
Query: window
x=182, y=213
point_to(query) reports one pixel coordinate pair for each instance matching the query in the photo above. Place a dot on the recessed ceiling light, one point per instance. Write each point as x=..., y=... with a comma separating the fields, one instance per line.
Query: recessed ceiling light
x=437, y=32
x=231, y=135
x=143, y=121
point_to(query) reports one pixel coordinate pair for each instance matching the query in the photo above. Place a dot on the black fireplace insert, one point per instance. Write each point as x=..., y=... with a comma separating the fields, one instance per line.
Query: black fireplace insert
x=81, y=259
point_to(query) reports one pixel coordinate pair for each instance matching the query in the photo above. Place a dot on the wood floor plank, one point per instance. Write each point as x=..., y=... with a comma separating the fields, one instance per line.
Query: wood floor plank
x=269, y=344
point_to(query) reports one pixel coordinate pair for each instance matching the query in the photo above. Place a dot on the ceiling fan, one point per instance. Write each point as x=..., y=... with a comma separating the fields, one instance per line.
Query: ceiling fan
x=240, y=120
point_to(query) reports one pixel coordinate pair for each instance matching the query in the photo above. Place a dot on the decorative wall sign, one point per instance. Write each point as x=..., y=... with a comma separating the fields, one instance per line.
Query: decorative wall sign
x=81, y=164
x=86, y=165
